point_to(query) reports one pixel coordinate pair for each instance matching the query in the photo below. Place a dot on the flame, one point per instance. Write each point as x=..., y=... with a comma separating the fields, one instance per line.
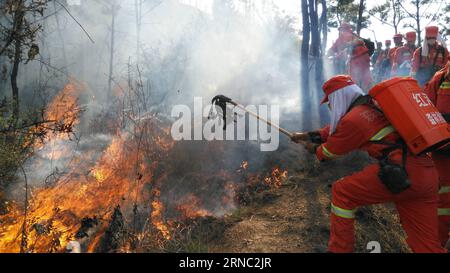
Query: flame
x=157, y=219
x=127, y=172
x=99, y=175
x=60, y=208
x=157, y=215
x=191, y=208
x=276, y=177
x=111, y=160
x=243, y=167
x=64, y=107
x=63, y=112
x=118, y=177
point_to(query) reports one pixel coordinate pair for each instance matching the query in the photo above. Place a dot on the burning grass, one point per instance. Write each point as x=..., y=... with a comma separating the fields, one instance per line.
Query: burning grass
x=137, y=194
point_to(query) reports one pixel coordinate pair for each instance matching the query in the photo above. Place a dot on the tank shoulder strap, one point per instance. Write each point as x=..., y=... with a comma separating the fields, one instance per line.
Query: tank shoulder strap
x=361, y=100
x=364, y=100
x=391, y=146
x=378, y=138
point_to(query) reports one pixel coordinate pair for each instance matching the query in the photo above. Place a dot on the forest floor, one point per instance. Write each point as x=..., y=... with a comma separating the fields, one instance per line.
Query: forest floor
x=295, y=217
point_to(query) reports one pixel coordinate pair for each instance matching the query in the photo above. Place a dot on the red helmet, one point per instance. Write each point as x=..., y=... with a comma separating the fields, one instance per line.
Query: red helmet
x=387, y=42
x=411, y=36
x=345, y=26
x=431, y=32
x=334, y=84
x=398, y=38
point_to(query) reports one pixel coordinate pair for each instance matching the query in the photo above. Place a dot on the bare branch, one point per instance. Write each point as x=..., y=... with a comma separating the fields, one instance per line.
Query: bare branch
x=70, y=14
x=403, y=7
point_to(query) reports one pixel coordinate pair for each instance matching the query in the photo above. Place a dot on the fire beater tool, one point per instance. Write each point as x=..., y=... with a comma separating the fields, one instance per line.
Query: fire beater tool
x=222, y=101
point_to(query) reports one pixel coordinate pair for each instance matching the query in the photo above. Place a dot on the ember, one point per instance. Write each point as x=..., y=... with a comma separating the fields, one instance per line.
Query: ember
x=243, y=167
x=276, y=178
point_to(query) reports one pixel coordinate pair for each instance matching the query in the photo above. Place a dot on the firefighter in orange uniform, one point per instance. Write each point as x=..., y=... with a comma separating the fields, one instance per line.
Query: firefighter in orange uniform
x=402, y=58
x=398, y=42
x=429, y=58
x=438, y=89
x=384, y=52
x=382, y=64
x=377, y=53
x=339, y=48
x=374, y=59
x=388, y=63
x=359, y=66
x=355, y=125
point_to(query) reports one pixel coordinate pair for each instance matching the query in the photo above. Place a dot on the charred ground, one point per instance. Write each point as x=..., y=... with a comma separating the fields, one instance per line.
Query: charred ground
x=295, y=217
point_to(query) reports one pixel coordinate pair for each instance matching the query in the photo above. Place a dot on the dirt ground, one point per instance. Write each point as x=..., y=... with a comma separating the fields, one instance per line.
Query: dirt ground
x=295, y=217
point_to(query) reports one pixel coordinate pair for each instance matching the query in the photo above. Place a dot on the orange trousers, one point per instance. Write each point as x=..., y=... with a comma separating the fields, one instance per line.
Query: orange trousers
x=417, y=207
x=443, y=166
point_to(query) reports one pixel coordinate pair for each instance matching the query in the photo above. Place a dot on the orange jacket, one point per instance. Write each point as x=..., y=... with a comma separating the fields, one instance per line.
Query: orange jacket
x=354, y=132
x=438, y=90
x=427, y=62
x=344, y=40
x=403, y=54
x=392, y=53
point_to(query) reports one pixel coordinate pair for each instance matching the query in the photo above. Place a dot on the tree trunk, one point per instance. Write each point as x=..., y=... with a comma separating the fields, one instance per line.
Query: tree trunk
x=17, y=30
x=14, y=74
x=305, y=45
x=304, y=63
x=314, y=28
x=315, y=42
x=419, y=32
x=360, y=17
x=394, y=17
x=324, y=26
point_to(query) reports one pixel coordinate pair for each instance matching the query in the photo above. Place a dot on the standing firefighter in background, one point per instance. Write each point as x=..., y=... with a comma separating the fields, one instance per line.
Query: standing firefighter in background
x=359, y=66
x=389, y=60
x=438, y=89
x=429, y=58
x=377, y=53
x=403, y=56
x=356, y=124
x=374, y=59
x=339, y=49
x=382, y=64
x=398, y=42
